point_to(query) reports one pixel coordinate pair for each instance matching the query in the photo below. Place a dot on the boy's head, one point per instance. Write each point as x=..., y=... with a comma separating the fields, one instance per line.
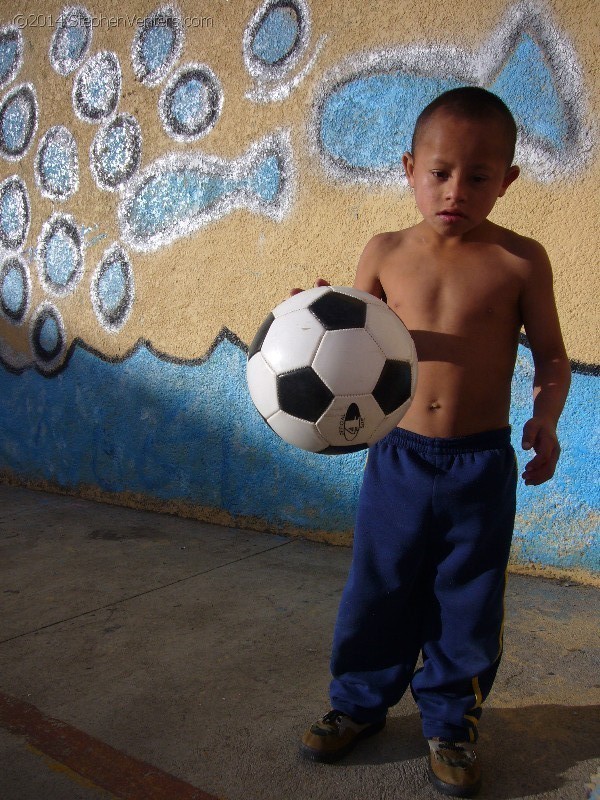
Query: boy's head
x=461, y=159
x=470, y=103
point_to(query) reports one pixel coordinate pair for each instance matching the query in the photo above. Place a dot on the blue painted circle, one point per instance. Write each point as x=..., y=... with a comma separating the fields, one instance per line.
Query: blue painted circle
x=277, y=34
x=97, y=87
x=71, y=40
x=14, y=289
x=18, y=122
x=14, y=213
x=157, y=45
x=116, y=151
x=47, y=335
x=60, y=255
x=57, y=164
x=112, y=289
x=191, y=103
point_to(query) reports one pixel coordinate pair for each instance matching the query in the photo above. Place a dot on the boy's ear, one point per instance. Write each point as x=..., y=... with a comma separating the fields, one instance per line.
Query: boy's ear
x=409, y=165
x=511, y=176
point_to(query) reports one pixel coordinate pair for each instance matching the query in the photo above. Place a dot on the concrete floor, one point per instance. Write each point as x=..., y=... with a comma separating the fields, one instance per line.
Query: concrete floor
x=148, y=657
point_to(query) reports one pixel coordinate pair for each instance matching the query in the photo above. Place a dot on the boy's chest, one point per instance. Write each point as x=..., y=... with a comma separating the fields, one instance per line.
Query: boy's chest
x=453, y=298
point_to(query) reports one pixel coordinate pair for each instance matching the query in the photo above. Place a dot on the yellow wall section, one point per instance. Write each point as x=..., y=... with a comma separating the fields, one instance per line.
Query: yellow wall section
x=231, y=272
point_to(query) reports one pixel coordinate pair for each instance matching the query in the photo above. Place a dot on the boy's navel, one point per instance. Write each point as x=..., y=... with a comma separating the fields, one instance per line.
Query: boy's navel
x=434, y=405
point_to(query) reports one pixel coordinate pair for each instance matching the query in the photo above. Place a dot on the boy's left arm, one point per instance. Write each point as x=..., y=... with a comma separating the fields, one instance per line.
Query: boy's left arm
x=552, y=376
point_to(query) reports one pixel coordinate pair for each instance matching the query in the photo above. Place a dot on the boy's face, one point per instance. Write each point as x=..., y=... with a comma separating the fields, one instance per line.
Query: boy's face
x=458, y=171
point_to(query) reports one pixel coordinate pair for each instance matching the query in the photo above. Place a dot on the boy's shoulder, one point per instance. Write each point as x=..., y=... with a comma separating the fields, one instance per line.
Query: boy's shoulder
x=382, y=244
x=522, y=253
x=521, y=246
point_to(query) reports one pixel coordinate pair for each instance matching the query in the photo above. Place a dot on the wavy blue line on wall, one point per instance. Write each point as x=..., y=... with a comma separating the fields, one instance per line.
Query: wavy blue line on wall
x=189, y=432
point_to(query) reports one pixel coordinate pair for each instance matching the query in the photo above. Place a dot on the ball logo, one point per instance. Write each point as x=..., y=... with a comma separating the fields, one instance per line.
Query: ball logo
x=351, y=422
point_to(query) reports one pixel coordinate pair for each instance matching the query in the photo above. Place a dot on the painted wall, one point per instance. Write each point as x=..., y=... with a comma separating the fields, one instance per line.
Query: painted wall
x=168, y=173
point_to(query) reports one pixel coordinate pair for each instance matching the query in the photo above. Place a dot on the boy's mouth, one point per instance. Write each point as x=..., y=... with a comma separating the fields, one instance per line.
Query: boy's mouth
x=451, y=214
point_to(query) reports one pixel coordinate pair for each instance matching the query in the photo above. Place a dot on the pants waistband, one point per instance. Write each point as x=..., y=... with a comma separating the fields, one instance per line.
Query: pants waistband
x=476, y=442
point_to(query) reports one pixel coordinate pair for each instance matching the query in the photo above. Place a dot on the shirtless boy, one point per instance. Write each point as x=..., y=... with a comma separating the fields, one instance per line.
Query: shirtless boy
x=437, y=505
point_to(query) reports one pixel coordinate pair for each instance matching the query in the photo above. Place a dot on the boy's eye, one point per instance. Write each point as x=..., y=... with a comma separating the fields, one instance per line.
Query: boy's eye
x=479, y=178
x=439, y=173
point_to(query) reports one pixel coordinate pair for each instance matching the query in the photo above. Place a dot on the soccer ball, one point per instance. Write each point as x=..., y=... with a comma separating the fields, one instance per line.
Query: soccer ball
x=332, y=370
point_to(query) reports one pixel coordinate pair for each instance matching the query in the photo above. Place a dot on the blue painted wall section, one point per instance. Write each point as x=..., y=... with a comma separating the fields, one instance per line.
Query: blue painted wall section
x=183, y=432
x=189, y=432
x=558, y=522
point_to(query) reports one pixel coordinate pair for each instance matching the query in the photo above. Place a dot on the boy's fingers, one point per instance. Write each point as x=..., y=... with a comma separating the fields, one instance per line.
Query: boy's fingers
x=540, y=469
x=318, y=282
x=530, y=433
x=538, y=437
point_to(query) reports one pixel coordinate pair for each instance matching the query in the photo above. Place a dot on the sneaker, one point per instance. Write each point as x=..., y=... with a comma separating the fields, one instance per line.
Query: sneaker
x=335, y=735
x=453, y=768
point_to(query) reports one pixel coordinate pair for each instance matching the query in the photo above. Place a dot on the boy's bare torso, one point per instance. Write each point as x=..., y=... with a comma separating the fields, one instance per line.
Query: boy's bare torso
x=460, y=301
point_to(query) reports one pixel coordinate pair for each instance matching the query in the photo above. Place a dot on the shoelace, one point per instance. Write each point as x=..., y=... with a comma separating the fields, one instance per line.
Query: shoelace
x=462, y=755
x=333, y=717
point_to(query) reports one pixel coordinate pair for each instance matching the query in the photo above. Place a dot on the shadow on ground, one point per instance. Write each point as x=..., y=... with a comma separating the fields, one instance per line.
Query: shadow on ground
x=524, y=751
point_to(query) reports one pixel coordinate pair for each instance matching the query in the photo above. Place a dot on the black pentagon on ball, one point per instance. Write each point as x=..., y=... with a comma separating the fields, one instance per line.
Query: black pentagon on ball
x=336, y=311
x=394, y=385
x=303, y=394
x=337, y=450
x=261, y=334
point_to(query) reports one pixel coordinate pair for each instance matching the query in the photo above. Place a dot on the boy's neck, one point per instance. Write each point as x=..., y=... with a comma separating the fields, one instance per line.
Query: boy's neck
x=484, y=232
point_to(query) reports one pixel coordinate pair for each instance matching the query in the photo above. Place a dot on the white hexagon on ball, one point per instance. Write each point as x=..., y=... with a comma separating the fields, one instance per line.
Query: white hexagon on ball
x=292, y=341
x=262, y=384
x=388, y=330
x=349, y=361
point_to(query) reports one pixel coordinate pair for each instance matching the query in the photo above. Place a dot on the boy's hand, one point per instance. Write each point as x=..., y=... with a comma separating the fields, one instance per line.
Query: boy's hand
x=318, y=282
x=540, y=434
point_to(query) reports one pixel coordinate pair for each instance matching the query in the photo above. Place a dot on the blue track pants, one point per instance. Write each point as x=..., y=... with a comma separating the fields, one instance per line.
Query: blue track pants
x=431, y=546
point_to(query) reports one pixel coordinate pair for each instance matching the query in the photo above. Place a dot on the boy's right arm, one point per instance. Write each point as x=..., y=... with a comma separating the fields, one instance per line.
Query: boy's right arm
x=367, y=271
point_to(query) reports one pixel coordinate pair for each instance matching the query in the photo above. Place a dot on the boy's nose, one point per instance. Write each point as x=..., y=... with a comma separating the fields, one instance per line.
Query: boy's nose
x=456, y=188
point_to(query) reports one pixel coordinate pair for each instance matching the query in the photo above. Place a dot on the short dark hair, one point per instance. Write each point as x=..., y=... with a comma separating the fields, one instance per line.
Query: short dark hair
x=470, y=102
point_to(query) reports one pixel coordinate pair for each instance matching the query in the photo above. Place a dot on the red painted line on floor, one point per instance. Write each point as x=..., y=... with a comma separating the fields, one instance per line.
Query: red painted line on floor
x=110, y=769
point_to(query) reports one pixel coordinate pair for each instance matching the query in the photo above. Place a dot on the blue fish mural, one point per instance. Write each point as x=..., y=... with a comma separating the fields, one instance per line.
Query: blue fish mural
x=179, y=193
x=365, y=108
